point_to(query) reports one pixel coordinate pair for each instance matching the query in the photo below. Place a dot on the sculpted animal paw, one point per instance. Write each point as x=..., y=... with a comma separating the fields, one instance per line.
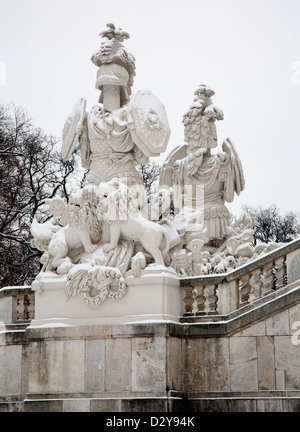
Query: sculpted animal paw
x=108, y=247
x=91, y=248
x=65, y=267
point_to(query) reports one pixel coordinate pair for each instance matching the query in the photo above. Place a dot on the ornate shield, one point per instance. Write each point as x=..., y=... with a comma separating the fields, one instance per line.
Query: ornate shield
x=229, y=148
x=148, y=123
x=70, y=131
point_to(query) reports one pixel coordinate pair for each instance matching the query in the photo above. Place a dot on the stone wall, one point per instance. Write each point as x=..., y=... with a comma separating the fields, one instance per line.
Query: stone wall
x=152, y=359
x=165, y=366
x=97, y=360
x=260, y=357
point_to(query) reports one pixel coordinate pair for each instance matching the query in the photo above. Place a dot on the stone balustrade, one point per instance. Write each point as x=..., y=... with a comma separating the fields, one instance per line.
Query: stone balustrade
x=16, y=305
x=206, y=298
x=213, y=296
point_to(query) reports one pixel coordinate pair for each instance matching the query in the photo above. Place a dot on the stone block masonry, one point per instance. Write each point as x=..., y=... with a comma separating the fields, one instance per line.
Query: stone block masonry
x=164, y=366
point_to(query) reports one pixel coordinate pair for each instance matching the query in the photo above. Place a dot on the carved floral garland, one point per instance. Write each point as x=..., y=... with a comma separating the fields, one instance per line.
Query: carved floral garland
x=84, y=277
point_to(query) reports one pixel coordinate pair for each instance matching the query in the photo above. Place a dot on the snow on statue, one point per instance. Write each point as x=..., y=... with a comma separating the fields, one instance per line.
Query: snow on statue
x=109, y=227
x=93, y=249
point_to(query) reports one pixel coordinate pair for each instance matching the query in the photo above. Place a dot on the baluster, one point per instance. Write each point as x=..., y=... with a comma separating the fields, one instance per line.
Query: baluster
x=25, y=307
x=244, y=288
x=256, y=285
x=267, y=278
x=31, y=307
x=211, y=296
x=188, y=301
x=280, y=273
x=200, y=299
x=285, y=281
x=20, y=307
x=274, y=269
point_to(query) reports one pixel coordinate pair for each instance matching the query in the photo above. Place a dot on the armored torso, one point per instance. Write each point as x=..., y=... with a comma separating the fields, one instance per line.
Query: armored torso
x=111, y=148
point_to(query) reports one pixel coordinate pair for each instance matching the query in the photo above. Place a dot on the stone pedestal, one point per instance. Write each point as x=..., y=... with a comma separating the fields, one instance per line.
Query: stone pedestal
x=154, y=296
x=119, y=349
x=102, y=361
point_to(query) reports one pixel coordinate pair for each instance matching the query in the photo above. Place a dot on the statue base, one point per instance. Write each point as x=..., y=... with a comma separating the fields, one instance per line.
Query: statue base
x=155, y=295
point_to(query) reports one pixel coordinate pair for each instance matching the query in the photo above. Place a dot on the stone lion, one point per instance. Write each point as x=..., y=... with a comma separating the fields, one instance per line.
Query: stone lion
x=83, y=229
x=119, y=205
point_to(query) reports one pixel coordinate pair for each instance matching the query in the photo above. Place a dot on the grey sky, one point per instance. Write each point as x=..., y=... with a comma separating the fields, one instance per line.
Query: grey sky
x=248, y=51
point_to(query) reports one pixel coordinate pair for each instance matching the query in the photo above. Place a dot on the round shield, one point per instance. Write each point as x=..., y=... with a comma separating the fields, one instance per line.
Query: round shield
x=149, y=124
x=70, y=135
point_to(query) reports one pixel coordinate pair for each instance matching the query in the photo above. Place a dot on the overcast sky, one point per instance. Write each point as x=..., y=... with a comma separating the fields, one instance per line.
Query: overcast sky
x=247, y=51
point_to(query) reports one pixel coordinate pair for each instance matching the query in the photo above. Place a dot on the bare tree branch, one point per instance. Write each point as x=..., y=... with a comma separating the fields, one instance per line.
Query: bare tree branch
x=31, y=170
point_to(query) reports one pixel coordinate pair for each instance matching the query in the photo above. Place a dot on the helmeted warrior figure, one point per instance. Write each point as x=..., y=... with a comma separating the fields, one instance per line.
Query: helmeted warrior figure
x=219, y=176
x=118, y=133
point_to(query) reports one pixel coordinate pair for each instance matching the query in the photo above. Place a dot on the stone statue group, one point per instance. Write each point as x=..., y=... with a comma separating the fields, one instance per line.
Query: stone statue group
x=109, y=226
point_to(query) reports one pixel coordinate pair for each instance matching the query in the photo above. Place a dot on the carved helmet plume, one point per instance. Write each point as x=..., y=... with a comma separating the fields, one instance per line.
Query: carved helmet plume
x=110, y=53
x=196, y=119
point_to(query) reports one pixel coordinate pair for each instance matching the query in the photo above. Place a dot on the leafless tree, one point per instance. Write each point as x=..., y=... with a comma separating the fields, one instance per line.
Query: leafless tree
x=268, y=224
x=150, y=173
x=31, y=170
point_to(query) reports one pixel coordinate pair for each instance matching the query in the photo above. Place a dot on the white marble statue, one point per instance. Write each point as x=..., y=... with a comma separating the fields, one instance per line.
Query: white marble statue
x=108, y=232
x=118, y=133
x=190, y=168
x=102, y=233
x=109, y=236
x=192, y=164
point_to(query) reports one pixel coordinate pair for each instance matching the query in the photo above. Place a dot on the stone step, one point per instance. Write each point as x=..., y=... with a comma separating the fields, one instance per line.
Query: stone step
x=15, y=327
x=243, y=404
x=262, y=401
